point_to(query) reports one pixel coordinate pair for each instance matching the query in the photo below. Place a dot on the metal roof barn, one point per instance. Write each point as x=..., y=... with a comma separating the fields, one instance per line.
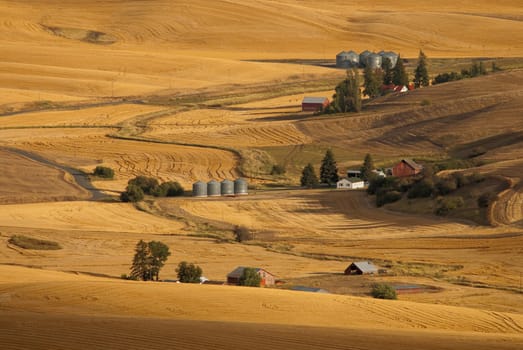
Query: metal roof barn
x=227, y=188
x=241, y=187
x=361, y=268
x=214, y=189
x=199, y=189
x=314, y=104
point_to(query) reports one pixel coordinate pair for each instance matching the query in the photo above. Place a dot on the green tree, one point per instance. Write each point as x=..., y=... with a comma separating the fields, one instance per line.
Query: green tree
x=372, y=81
x=103, y=172
x=399, y=74
x=308, y=177
x=250, y=278
x=141, y=266
x=329, y=169
x=132, y=193
x=188, y=273
x=159, y=252
x=367, y=168
x=168, y=189
x=387, y=71
x=147, y=184
x=421, y=74
x=348, y=95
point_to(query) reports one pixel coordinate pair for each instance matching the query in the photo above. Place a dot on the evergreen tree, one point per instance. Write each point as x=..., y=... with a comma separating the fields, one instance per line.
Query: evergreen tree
x=348, y=96
x=387, y=71
x=328, y=169
x=367, y=168
x=372, y=81
x=141, y=266
x=159, y=253
x=250, y=277
x=399, y=75
x=308, y=177
x=354, y=93
x=188, y=273
x=421, y=75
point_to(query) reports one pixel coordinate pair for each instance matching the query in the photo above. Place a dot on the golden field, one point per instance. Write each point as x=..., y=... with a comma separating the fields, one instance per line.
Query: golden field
x=200, y=90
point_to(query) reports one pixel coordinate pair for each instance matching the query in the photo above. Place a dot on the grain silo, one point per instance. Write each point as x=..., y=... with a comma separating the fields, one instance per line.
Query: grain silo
x=393, y=58
x=213, y=189
x=241, y=187
x=353, y=58
x=342, y=60
x=373, y=61
x=363, y=57
x=199, y=189
x=227, y=188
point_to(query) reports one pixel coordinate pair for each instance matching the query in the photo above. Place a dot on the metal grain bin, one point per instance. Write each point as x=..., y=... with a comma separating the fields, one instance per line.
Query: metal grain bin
x=214, y=188
x=374, y=61
x=393, y=57
x=363, y=57
x=341, y=60
x=227, y=188
x=240, y=187
x=353, y=58
x=199, y=189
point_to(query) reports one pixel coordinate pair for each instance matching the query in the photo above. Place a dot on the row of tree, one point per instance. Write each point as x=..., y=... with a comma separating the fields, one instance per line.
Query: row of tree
x=475, y=70
x=141, y=185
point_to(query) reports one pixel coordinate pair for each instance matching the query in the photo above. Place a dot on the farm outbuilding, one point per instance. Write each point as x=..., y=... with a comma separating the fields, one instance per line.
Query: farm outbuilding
x=314, y=104
x=354, y=173
x=199, y=189
x=213, y=189
x=267, y=278
x=361, y=268
x=350, y=183
x=407, y=167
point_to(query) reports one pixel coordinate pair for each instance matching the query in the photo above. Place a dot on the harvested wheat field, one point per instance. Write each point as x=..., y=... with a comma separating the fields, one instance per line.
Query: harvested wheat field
x=199, y=90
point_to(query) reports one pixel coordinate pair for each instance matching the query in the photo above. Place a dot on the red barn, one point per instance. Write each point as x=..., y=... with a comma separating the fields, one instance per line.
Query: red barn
x=267, y=278
x=314, y=104
x=406, y=167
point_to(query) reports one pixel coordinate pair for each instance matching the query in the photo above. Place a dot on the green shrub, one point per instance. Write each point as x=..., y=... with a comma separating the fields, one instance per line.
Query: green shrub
x=33, y=243
x=383, y=291
x=421, y=189
x=132, y=193
x=446, y=205
x=384, y=197
x=168, y=189
x=104, y=172
x=278, y=169
x=485, y=199
x=188, y=273
x=146, y=184
x=250, y=278
x=446, y=185
x=242, y=233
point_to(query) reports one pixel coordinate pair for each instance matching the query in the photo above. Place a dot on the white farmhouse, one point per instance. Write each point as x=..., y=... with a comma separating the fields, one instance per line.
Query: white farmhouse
x=351, y=183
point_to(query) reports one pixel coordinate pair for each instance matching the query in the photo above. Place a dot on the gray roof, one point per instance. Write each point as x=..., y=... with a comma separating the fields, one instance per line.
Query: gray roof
x=311, y=99
x=365, y=266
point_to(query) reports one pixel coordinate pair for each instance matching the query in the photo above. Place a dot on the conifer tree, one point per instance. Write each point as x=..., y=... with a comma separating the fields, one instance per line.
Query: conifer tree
x=421, y=75
x=328, y=169
x=308, y=177
x=387, y=71
x=141, y=265
x=367, y=168
x=372, y=81
x=399, y=75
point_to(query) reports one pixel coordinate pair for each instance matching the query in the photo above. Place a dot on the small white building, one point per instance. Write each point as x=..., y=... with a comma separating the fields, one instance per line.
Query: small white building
x=351, y=183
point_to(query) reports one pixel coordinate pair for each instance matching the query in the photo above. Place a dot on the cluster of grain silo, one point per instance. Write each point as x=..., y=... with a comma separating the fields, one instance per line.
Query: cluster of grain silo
x=350, y=59
x=226, y=188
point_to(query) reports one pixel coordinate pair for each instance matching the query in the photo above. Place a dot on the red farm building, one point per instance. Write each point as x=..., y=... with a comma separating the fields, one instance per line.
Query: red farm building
x=406, y=167
x=314, y=104
x=267, y=278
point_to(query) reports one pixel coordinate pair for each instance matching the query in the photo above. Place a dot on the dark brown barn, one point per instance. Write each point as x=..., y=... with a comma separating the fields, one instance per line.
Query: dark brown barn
x=406, y=167
x=314, y=104
x=267, y=278
x=361, y=268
